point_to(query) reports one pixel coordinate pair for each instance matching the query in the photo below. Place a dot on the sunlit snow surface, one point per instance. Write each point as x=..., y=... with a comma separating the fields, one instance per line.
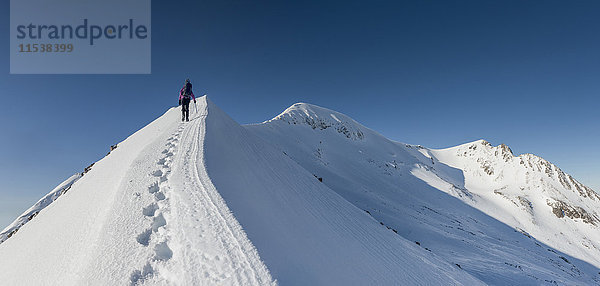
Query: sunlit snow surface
x=210, y=203
x=496, y=215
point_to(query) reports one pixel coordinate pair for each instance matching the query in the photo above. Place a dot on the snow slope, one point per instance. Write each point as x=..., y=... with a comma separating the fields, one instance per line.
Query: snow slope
x=305, y=232
x=529, y=193
x=30, y=213
x=505, y=228
x=209, y=203
x=134, y=218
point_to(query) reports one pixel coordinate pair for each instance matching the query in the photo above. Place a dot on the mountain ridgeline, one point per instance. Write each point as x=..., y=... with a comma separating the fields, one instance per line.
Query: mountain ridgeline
x=289, y=200
x=487, y=193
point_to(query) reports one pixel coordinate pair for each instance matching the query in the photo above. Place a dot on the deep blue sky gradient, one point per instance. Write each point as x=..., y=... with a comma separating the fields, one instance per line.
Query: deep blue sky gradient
x=435, y=73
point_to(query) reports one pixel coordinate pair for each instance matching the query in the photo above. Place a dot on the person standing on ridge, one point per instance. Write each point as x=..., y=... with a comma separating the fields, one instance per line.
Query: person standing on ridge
x=185, y=96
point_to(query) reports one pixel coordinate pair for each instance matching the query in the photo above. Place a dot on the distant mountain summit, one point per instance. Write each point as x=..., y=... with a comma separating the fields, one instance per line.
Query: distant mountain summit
x=528, y=175
x=321, y=118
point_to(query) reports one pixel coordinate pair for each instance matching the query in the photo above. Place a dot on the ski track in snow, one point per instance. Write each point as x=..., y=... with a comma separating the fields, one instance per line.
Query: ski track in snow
x=210, y=240
x=194, y=237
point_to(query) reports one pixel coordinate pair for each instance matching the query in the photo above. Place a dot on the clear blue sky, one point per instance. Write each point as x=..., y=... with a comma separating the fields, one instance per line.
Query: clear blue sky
x=436, y=73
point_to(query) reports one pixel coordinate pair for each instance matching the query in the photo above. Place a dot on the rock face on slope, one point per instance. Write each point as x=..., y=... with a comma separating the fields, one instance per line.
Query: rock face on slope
x=562, y=209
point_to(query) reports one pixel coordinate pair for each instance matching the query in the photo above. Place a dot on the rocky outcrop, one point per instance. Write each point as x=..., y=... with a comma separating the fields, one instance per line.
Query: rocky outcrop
x=562, y=209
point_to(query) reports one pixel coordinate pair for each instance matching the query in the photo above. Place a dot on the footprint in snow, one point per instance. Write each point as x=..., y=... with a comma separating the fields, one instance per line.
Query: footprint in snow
x=139, y=276
x=144, y=237
x=150, y=210
x=163, y=178
x=159, y=221
x=153, y=188
x=159, y=196
x=157, y=173
x=162, y=162
x=162, y=251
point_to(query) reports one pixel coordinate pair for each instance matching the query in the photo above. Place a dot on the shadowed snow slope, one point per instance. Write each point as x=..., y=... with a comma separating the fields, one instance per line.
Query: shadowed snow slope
x=205, y=203
x=504, y=219
x=305, y=232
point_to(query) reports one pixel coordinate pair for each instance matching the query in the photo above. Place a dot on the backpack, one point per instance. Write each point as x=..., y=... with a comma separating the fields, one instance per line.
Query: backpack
x=187, y=90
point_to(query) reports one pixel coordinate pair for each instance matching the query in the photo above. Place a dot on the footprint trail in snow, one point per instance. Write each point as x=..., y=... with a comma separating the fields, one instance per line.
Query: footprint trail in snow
x=156, y=235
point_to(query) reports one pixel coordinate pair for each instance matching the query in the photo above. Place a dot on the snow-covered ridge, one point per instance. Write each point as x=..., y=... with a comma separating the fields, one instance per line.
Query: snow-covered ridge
x=552, y=171
x=528, y=160
x=321, y=118
x=403, y=187
x=44, y=202
x=34, y=210
x=210, y=202
x=566, y=196
x=203, y=203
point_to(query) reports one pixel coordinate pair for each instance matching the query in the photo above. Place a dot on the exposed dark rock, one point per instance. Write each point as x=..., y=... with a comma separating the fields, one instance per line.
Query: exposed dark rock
x=112, y=147
x=486, y=166
x=506, y=152
x=88, y=168
x=12, y=232
x=562, y=209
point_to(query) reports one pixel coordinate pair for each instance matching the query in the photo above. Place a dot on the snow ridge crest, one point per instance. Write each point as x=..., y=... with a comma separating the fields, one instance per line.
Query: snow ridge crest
x=321, y=118
x=566, y=196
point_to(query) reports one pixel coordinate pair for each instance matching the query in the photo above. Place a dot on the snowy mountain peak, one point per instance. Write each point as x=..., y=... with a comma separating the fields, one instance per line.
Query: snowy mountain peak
x=528, y=181
x=493, y=161
x=400, y=185
x=297, y=196
x=484, y=148
x=317, y=117
x=538, y=164
x=203, y=203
